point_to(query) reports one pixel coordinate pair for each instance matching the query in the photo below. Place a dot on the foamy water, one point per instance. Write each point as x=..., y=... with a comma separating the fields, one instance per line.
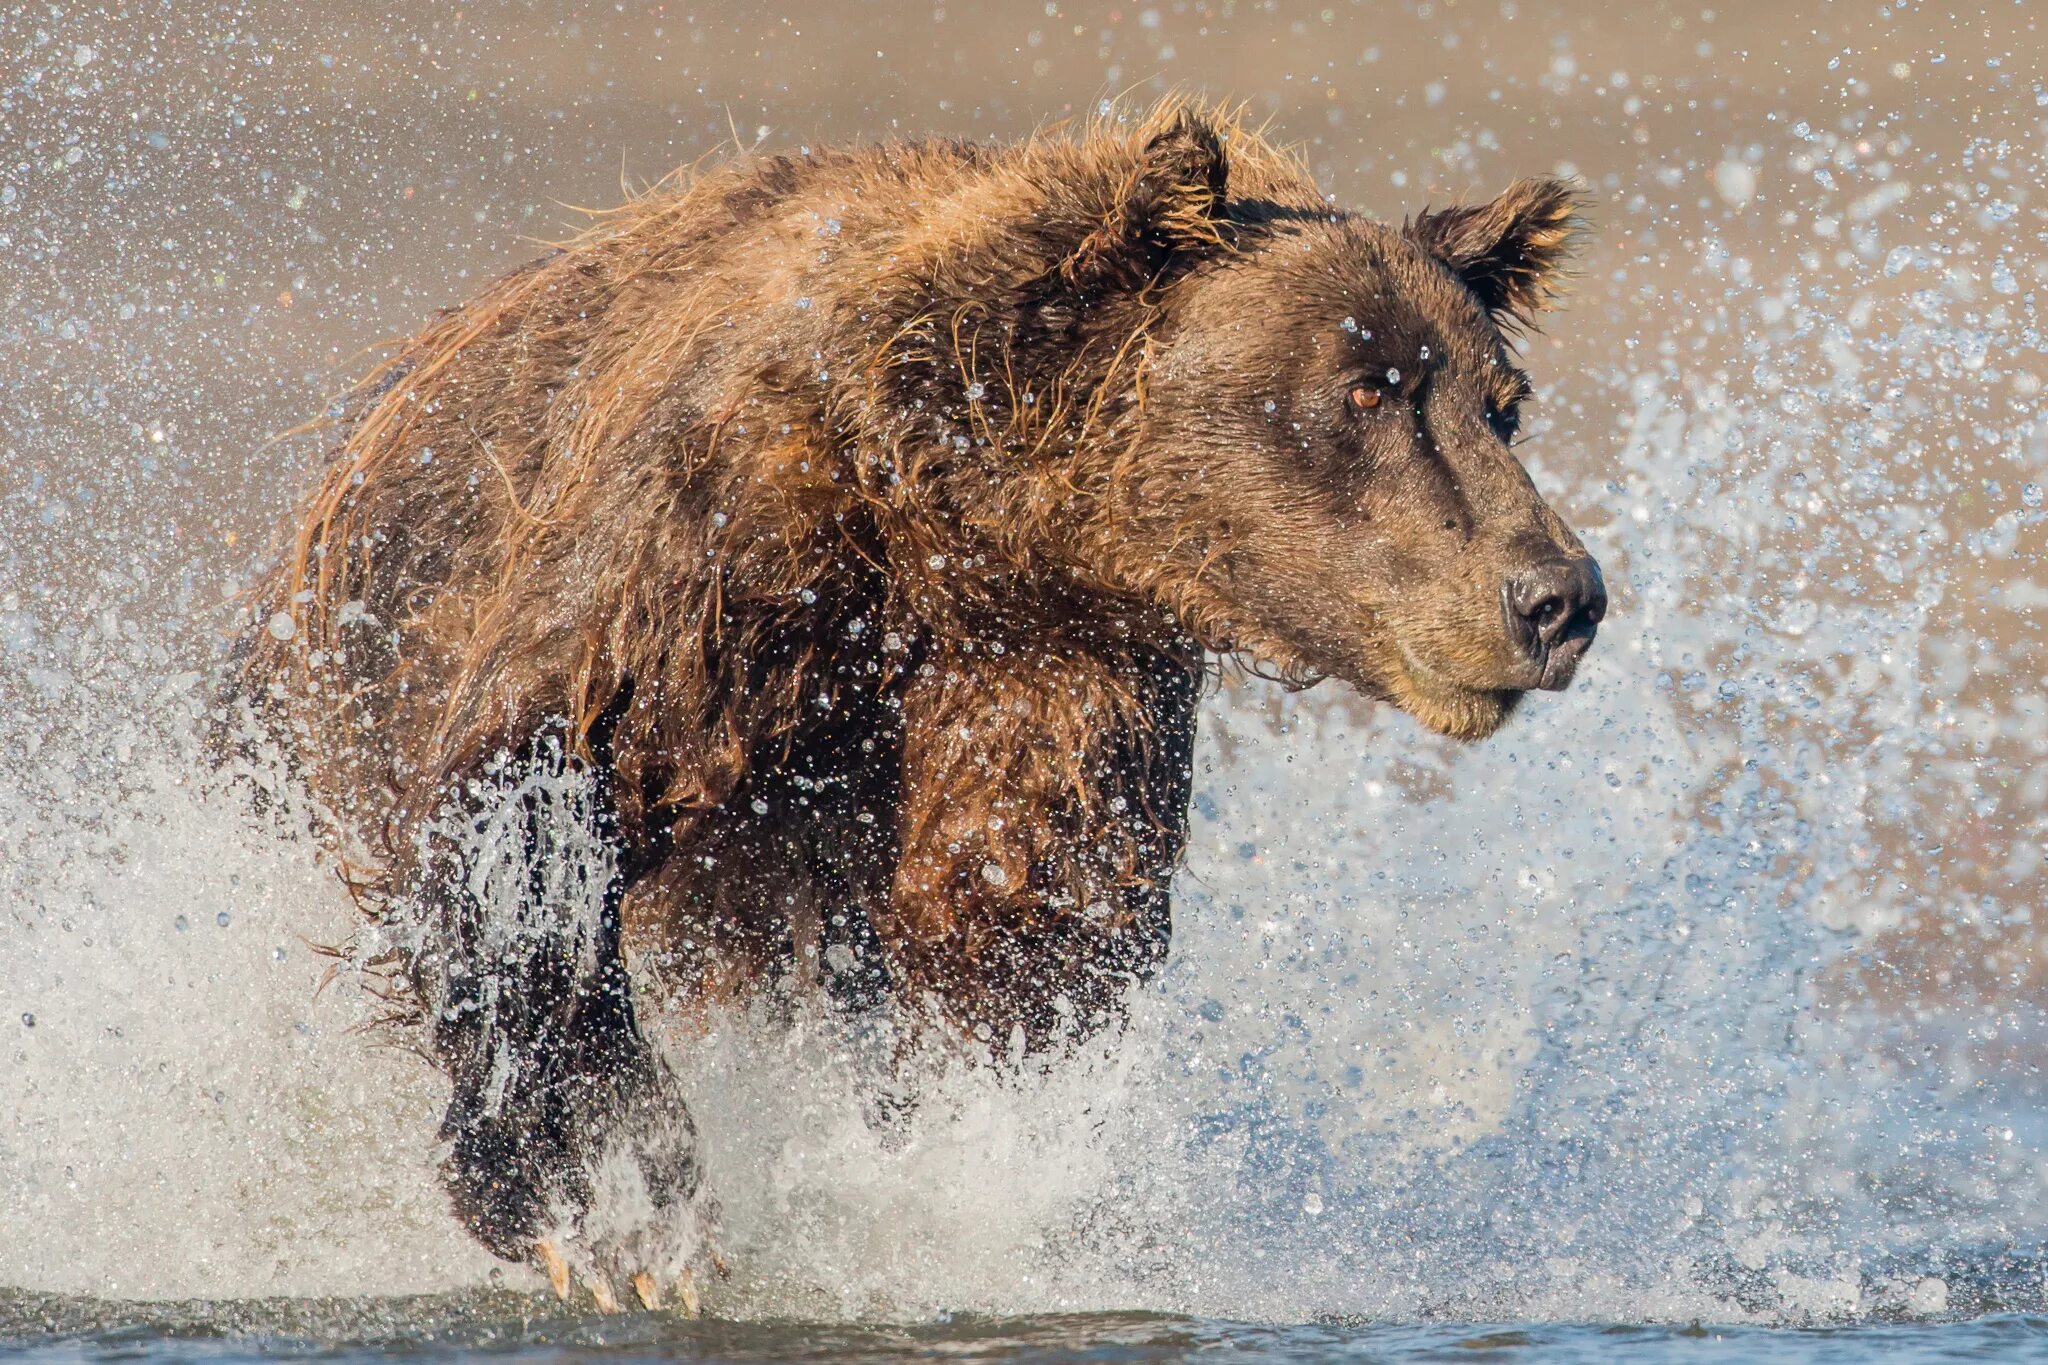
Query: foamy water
x=1705, y=990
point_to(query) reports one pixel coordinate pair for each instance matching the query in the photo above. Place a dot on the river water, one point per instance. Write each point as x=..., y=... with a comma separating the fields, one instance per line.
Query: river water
x=1706, y=993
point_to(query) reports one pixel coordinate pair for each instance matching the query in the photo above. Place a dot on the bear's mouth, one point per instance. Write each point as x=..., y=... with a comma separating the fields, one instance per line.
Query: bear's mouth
x=1393, y=673
x=1383, y=663
x=1445, y=705
x=1383, y=666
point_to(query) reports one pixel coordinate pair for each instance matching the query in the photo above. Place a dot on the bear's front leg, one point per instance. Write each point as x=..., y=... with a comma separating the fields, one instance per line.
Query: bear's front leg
x=570, y=1143
x=1043, y=809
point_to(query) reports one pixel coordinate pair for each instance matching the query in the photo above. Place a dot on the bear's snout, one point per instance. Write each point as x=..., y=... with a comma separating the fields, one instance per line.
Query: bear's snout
x=1553, y=610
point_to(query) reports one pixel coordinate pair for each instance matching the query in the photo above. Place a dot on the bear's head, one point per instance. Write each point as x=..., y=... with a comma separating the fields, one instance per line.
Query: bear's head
x=1324, y=473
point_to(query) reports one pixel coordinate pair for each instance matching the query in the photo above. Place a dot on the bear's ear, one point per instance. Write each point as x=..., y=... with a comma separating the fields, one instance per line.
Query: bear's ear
x=1167, y=210
x=1511, y=252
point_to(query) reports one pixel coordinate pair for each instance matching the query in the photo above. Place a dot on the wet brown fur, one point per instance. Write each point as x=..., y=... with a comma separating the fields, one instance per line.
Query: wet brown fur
x=819, y=503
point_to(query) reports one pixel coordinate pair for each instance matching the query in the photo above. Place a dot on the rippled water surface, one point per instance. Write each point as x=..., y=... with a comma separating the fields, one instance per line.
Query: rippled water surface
x=510, y=1327
x=1706, y=1001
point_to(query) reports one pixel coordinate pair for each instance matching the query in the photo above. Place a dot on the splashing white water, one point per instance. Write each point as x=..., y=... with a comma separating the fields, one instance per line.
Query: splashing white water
x=185, y=1117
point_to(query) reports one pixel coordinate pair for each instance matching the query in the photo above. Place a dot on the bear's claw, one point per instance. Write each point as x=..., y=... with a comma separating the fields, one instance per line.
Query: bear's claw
x=645, y=1287
x=558, y=1269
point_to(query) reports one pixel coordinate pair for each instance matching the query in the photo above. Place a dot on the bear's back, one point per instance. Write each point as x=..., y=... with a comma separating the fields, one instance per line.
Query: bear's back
x=640, y=456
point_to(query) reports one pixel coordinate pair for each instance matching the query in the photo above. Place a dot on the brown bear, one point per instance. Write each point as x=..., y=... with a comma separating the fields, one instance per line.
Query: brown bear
x=806, y=578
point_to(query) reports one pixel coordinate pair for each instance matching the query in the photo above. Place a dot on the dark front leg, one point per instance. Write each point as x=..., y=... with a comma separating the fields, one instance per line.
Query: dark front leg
x=565, y=1129
x=1043, y=810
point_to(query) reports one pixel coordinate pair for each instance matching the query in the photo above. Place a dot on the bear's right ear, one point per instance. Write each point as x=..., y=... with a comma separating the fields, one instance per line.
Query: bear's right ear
x=1168, y=210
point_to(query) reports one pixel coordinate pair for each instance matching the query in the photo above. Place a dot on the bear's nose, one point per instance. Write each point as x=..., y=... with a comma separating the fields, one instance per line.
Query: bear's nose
x=1554, y=609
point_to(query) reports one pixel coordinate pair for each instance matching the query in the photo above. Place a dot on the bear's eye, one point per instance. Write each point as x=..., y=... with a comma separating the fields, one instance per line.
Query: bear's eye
x=1362, y=398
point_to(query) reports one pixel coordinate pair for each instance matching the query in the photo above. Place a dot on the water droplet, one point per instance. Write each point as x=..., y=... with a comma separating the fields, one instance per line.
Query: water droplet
x=1351, y=324
x=976, y=390
x=221, y=919
x=994, y=875
x=1735, y=182
x=282, y=627
x=28, y=1021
